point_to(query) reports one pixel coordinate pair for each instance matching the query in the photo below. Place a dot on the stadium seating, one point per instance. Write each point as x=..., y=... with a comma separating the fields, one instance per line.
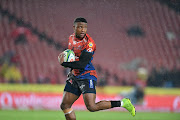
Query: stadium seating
x=108, y=24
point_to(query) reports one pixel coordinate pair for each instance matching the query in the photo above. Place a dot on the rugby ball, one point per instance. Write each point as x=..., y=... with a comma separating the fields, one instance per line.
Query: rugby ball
x=69, y=55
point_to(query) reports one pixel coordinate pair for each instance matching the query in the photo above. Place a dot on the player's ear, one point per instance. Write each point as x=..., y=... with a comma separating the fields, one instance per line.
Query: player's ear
x=74, y=27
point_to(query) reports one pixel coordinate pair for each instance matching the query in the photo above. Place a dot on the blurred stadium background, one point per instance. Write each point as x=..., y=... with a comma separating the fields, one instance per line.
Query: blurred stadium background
x=138, y=52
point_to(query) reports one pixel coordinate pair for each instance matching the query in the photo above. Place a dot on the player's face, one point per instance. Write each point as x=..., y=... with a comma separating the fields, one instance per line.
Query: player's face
x=80, y=29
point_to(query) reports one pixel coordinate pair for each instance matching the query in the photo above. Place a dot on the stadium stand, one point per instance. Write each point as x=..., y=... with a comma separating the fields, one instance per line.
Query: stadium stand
x=108, y=24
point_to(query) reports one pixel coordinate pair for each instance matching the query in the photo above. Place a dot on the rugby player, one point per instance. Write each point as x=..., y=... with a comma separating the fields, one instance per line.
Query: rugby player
x=82, y=78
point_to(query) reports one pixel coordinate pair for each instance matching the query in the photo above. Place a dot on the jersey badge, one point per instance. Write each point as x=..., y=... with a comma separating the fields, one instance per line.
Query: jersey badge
x=90, y=44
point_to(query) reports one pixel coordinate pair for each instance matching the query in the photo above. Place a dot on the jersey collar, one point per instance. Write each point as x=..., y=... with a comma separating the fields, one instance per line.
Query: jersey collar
x=77, y=39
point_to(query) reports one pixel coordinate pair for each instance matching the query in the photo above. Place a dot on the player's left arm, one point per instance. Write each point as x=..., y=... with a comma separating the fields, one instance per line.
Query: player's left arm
x=84, y=58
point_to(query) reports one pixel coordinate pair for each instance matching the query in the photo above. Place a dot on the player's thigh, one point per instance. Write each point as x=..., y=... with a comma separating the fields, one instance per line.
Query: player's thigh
x=68, y=100
x=89, y=99
x=89, y=92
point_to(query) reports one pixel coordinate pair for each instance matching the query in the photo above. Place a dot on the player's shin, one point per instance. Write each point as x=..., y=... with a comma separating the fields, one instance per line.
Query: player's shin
x=69, y=114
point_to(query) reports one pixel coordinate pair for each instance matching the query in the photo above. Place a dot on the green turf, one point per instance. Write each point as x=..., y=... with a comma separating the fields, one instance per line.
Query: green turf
x=84, y=115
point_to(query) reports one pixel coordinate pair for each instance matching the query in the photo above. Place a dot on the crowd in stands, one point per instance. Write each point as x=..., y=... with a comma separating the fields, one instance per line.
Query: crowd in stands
x=164, y=77
x=173, y=4
x=9, y=68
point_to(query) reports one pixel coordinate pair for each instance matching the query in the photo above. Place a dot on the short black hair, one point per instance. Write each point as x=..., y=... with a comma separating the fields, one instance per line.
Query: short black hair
x=80, y=19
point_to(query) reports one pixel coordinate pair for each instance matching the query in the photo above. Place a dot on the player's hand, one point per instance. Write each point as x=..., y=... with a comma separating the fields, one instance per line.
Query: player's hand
x=61, y=58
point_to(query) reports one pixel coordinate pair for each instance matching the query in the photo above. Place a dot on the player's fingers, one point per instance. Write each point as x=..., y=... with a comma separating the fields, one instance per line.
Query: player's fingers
x=61, y=54
x=61, y=58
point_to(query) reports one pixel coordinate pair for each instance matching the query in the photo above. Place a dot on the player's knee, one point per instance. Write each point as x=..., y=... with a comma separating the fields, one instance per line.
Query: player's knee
x=64, y=106
x=91, y=108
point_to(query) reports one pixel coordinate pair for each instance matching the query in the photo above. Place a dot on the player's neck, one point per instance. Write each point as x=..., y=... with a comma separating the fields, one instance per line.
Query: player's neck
x=78, y=38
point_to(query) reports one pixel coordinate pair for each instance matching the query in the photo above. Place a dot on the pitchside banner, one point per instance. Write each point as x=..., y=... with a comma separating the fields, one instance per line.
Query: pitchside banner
x=51, y=101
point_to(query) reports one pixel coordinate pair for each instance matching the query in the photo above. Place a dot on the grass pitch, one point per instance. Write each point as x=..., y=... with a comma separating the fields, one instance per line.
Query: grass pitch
x=84, y=115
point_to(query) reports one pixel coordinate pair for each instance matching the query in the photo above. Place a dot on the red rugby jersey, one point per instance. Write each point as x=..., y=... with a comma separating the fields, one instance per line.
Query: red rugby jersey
x=87, y=44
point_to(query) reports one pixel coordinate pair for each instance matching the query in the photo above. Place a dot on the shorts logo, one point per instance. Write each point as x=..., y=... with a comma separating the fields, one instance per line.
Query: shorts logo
x=82, y=86
x=91, y=84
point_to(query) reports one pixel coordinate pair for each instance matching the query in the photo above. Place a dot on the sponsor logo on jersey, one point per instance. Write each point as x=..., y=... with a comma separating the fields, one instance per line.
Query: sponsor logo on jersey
x=90, y=50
